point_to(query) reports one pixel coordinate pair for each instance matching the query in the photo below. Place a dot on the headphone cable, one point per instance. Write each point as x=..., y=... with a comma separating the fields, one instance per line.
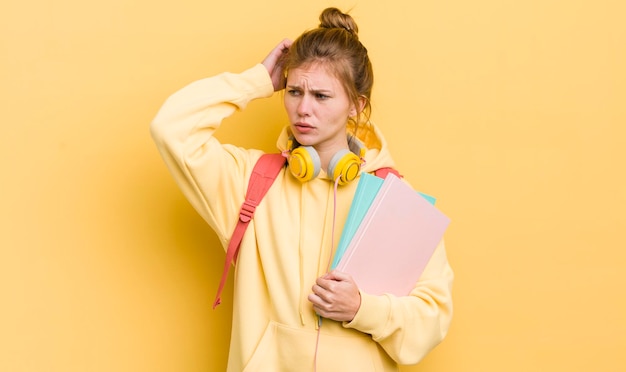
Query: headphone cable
x=332, y=242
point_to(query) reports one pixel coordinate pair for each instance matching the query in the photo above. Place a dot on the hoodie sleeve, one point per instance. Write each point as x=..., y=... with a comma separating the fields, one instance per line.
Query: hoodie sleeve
x=411, y=326
x=212, y=176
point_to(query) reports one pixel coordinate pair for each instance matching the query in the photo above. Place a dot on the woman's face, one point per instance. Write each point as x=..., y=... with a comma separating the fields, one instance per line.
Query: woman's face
x=318, y=107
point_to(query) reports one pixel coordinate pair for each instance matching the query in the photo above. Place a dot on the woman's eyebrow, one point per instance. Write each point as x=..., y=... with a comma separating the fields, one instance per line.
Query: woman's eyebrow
x=323, y=91
x=315, y=91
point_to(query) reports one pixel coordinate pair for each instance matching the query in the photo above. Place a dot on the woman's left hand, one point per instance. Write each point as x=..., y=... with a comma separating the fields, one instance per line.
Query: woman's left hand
x=336, y=296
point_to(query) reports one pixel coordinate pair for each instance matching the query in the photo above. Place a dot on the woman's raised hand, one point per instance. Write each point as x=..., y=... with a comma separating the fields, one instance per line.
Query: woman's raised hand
x=274, y=63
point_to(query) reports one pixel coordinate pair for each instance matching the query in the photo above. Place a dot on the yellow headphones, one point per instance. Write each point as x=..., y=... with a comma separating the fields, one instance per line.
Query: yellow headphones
x=305, y=164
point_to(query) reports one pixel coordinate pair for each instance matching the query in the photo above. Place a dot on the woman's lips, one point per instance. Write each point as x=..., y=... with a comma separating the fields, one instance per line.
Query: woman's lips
x=303, y=128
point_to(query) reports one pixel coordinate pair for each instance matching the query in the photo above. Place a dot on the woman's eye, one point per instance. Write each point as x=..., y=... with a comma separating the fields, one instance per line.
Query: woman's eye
x=293, y=92
x=321, y=96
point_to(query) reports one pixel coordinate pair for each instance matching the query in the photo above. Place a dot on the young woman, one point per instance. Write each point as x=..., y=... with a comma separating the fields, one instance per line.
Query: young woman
x=283, y=284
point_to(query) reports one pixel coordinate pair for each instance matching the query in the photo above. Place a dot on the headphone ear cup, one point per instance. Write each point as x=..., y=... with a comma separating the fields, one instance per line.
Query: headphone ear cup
x=344, y=165
x=304, y=163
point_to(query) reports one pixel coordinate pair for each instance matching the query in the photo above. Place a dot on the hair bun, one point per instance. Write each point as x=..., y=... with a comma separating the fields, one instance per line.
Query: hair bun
x=335, y=18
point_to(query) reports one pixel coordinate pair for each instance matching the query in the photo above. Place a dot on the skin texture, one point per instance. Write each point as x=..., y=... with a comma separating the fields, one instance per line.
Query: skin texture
x=318, y=109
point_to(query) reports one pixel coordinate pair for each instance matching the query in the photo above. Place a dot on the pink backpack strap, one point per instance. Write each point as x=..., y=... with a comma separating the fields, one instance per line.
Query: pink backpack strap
x=263, y=175
x=383, y=172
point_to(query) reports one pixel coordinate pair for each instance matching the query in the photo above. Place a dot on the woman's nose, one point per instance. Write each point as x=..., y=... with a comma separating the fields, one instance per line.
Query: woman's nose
x=304, y=107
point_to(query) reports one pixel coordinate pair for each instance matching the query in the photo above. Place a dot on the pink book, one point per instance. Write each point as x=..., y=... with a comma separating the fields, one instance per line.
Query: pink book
x=395, y=240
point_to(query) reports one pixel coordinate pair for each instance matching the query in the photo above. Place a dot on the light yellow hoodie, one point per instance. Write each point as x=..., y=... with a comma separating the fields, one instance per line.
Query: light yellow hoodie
x=289, y=244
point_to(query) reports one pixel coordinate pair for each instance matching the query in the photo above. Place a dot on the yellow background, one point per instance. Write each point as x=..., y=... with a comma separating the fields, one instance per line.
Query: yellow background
x=511, y=113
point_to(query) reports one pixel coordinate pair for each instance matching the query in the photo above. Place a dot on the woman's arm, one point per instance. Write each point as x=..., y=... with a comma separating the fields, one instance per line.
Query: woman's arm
x=406, y=327
x=411, y=326
x=212, y=176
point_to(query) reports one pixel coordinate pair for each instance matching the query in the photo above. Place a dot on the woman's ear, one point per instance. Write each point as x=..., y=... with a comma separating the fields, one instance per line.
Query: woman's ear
x=361, y=101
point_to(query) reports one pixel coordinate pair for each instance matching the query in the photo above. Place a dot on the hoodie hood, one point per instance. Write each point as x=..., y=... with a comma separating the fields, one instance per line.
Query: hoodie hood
x=377, y=153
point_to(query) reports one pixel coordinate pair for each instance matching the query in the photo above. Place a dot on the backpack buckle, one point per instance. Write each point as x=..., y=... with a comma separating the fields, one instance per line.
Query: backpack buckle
x=247, y=211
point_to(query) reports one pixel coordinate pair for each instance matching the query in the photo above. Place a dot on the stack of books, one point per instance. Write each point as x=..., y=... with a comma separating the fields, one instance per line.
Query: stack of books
x=389, y=236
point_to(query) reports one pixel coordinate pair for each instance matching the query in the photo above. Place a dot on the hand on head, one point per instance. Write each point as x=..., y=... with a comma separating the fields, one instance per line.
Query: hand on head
x=274, y=63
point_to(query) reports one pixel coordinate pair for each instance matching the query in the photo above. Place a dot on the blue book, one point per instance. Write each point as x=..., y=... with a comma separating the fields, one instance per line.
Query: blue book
x=366, y=191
